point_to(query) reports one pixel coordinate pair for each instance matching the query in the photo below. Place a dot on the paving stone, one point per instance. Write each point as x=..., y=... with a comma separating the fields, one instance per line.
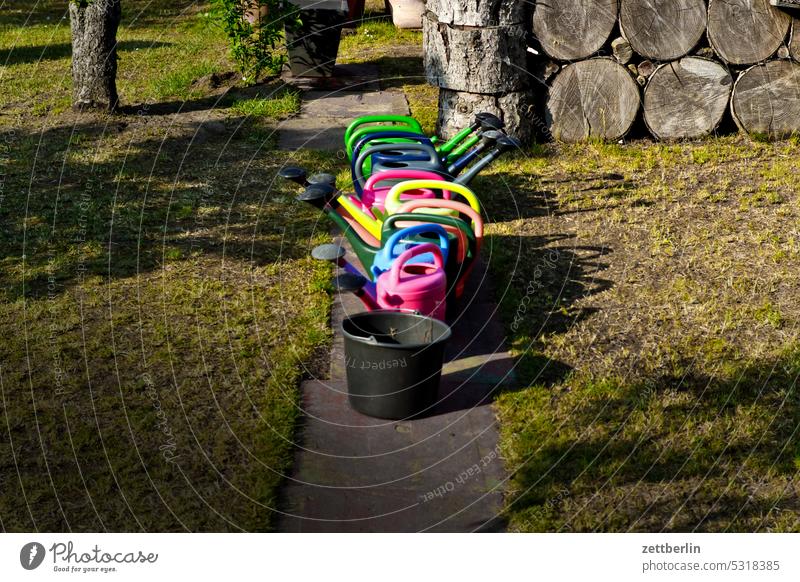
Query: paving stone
x=325, y=115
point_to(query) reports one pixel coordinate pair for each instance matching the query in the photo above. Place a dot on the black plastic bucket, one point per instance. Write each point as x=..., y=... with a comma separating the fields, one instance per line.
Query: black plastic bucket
x=394, y=362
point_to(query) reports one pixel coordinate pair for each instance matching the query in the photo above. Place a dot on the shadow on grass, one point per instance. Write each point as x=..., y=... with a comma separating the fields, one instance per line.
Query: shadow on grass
x=399, y=72
x=692, y=453
x=541, y=283
x=94, y=202
x=136, y=13
x=52, y=52
x=169, y=311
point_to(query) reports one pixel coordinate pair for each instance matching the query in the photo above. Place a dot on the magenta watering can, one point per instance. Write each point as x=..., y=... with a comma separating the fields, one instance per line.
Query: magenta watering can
x=420, y=287
x=378, y=186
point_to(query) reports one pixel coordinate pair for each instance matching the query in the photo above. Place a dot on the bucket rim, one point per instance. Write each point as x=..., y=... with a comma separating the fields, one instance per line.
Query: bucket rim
x=446, y=335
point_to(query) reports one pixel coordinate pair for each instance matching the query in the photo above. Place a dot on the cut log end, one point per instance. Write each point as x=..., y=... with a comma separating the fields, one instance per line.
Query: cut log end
x=622, y=50
x=573, y=29
x=744, y=32
x=766, y=99
x=686, y=99
x=597, y=98
x=663, y=29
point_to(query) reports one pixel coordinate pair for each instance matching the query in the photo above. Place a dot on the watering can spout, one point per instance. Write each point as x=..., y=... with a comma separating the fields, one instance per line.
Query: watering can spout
x=349, y=283
x=300, y=176
x=504, y=144
x=330, y=252
x=358, y=285
x=294, y=174
x=488, y=139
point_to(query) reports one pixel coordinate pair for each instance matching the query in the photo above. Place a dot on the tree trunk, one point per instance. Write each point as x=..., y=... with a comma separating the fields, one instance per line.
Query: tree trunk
x=766, y=99
x=569, y=30
x=476, y=53
x=517, y=109
x=94, y=53
x=686, y=99
x=744, y=32
x=663, y=29
x=594, y=98
x=478, y=60
x=477, y=13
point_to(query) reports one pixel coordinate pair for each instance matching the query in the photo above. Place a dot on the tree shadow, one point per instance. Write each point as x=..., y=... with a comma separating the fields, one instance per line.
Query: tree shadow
x=542, y=283
x=94, y=202
x=51, y=52
x=135, y=13
x=400, y=71
x=521, y=196
x=699, y=465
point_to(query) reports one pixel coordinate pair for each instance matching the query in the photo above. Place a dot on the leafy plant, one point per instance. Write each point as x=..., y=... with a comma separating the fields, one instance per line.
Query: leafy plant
x=255, y=40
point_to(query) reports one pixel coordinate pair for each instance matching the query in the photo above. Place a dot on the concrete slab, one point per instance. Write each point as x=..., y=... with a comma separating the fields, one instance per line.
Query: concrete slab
x=440, y=473
x=325, y=115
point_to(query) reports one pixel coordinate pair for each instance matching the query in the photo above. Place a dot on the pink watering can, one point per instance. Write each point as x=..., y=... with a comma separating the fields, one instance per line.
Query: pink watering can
x=374, y=195
x=420, y=287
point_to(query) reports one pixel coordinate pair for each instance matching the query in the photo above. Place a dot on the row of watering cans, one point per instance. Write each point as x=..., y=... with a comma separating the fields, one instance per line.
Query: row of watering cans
x=413, y=222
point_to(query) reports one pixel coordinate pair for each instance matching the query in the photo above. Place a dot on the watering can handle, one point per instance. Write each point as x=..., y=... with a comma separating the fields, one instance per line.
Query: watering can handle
x=402, y=174
x=465, y=232
x=359, y=143
x=397, y=266
x=477, y=220
x=358, y=168
x=444, y=240
x=393, y=203
x=398, y=120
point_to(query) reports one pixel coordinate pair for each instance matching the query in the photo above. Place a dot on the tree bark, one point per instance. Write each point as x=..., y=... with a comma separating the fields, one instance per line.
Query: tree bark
x=476, y=52
x=663, y=29
x=94, y=53
x=744, y=32
x=766, y=99
x=478, y=12
x=478, y=60
x=594, y=98
x=686, y=99
x=457, y=109
x=569, y=30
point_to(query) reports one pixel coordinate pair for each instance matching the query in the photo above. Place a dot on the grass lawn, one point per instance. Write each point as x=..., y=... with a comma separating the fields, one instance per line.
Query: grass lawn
x=157, y=303
x=158, y=307
x=650, y=291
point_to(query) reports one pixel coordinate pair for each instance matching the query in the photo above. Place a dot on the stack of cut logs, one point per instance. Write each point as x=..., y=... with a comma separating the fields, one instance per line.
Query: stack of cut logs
x=476, y=53
x=684, y=62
